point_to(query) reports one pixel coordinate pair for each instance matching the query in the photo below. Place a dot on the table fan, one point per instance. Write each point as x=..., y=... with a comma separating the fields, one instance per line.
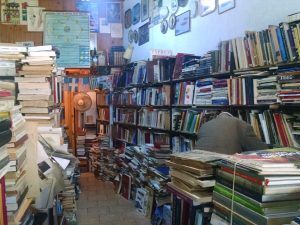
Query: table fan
x=82, y=103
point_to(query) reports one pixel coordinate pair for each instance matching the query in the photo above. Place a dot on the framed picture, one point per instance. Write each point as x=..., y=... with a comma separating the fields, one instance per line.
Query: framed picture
x=183, y=23
x=225, y=5
x=143, y=34
x=206, y=7
x=144, y=10
x=182, y=3
x=113, y=12
x=127, y=22
x=136, y=13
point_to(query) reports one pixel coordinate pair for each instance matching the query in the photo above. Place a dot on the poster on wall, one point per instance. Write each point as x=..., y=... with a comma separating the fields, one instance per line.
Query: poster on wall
x=144, y=10
x=15, y=11
x=113, y=12
x=92, y=8
x=69, y=33
x=183, y=23
x=154, y=12
x=143, y=34
x=35, y=19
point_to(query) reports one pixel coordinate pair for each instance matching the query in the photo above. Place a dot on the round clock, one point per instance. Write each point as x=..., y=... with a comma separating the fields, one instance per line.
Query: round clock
x=130, y=36
x=174, y=6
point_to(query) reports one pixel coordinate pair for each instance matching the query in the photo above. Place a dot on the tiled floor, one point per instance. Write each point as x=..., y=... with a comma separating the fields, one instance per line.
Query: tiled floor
x=98, y=204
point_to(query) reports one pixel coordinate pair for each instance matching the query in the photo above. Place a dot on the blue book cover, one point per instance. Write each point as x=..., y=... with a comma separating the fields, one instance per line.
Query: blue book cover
x=281, y=45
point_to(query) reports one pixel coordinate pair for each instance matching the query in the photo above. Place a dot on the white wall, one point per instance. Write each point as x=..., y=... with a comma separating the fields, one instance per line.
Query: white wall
x=207, y=31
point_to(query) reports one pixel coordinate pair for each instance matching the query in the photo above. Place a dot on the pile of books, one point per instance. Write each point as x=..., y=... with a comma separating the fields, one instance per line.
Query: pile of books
x=220, y=92
x=146, y=166
x=154, y=118
x=16, y=180
x=34, y=84
x=203, y=91
x=289, y=81
x=192, y=176
x=265, y=90
x=259, y=187
x=198, y=66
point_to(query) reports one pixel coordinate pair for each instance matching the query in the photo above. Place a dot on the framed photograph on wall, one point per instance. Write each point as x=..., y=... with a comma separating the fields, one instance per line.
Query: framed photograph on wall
x=144, y=10
x=127, y=22
x=136, y=13
x=183, y=23
x=225, y=5
x=113, y=12
x=206, y=7
x=143, y=34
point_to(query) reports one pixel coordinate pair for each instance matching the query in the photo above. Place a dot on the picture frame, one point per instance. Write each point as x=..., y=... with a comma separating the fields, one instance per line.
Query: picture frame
x=225, y=5
x=136, y=13
x=143, y=34
x=127, y=18
x=113, y=12
x=144, y=10
x=207, y=6
x=183, y=23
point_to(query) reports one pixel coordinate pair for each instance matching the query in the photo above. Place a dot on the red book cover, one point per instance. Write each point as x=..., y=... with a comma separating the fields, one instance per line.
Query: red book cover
x=126, y=186
x=178, y=65
x=3, y=202
x=280, y=129
x=245, y=176
x=247, y=49
x=185, y=208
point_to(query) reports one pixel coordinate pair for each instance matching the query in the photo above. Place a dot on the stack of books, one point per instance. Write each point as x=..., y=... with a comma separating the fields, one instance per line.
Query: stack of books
x=265, y=90
x=184, y=93
x=203, y=91
x=220, y=92
x=259, y=187
x=289, y=81
x=128, y=135
x=198, y=67
x=34, y=84
x=154, y=118
x=15, y=180
x=125, y=115
x=125, y=97
x=154, y=96
x=192, y=176
x=94, y=158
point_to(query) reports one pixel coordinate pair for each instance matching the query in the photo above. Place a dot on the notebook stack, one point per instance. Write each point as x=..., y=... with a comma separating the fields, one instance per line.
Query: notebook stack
x=289, y=80
x=265, y=90
x=203, y=91
x=220, y=92
x=10, y=55
x=265, y=185
x=15, y=180
x=34, y=84
x=192, y=173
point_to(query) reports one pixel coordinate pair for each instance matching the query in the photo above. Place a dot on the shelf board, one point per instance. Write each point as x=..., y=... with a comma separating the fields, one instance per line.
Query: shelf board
x=102, y=106
x=127, y=106
x=153, y=128
x=188, y=134
x=103, y=121
x=125, y=124
x=122, y=140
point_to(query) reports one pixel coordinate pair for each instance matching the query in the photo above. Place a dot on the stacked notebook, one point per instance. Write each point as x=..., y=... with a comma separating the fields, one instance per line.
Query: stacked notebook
x=16, y=180
x=34, y=84
x=259, y=187
x=220, y=92
x=265, y=90
x=203, y=91
x=289, y=80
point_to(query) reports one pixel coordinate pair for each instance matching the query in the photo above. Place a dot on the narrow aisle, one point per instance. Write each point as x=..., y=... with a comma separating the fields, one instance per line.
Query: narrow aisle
x=98, y=204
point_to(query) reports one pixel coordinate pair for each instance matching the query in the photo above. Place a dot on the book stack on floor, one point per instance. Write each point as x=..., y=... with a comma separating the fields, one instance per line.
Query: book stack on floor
x=192, y=181
x=15, y=180
x=147, y=173
x=90, y=140
x=289, y=81
x=265, y=185
x=34, y=84
x=94, y=159
x=81, y=154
